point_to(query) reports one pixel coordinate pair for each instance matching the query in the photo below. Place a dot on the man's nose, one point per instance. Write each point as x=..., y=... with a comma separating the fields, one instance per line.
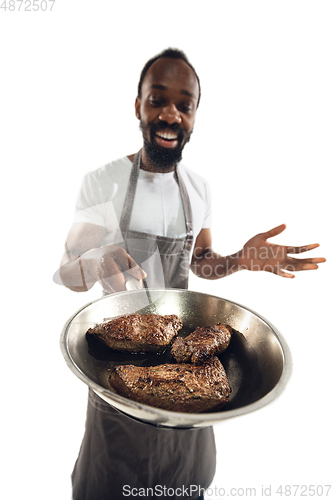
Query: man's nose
x=170, y=114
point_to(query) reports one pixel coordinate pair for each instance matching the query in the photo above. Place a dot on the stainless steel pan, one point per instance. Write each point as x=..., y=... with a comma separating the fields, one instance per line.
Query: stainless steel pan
x=257, y=362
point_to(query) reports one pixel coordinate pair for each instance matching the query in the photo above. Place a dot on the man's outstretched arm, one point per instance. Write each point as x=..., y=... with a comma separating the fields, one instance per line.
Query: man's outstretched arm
x=258, y=254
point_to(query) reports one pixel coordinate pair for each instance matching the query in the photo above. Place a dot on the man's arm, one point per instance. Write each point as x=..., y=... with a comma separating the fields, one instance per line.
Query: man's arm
x=256, y=255
x=85, y=262
x=208, y=264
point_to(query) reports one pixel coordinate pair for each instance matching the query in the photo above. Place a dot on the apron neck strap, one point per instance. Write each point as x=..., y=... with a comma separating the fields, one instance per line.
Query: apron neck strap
x=186, y=205
x=130, y=195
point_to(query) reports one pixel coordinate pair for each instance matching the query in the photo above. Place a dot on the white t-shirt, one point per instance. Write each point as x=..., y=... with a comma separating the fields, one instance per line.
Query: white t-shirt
x=157, y=205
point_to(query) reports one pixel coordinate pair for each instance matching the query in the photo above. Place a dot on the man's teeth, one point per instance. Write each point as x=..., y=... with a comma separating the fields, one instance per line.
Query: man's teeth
x=167, y=136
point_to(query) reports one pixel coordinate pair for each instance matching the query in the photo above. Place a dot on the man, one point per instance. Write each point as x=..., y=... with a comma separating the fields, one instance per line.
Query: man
x=147, y=217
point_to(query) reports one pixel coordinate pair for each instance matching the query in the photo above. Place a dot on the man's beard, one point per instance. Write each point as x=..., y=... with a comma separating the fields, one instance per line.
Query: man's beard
x=159, y=157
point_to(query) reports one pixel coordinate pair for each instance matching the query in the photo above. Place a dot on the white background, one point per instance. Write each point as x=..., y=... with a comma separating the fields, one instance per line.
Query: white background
x=263, y=139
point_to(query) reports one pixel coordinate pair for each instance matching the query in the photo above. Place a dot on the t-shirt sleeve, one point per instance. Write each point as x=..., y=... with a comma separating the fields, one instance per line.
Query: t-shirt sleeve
x=90, y=202
x=208, y=214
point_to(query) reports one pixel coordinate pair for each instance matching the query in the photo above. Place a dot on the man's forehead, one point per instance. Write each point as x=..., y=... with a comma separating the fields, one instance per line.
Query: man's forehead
x=171, y=73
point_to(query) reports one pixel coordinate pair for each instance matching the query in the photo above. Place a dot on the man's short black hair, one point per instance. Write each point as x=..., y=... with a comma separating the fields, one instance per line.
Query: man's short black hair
x=172, y=54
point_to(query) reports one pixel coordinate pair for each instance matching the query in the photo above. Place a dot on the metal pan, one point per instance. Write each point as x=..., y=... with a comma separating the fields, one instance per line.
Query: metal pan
x=257, y=361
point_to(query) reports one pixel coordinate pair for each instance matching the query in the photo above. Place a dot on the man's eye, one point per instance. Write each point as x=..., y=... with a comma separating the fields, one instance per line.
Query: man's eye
x=155, y=102
x=186, y=108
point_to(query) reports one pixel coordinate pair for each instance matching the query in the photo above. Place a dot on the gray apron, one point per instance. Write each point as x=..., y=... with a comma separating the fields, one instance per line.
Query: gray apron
x=165, y=260
x=119, y=455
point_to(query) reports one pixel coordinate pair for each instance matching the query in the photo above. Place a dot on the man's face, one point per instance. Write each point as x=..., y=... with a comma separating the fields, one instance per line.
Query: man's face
x=166, y=110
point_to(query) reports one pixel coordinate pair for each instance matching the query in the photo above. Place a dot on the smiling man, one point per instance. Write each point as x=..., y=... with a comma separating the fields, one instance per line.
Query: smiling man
x=149, y=216
x=166, y=106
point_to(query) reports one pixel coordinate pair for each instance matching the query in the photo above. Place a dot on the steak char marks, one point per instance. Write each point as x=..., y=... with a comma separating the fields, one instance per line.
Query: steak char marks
x=138, y=332
x=202, y=344
x=176, y=387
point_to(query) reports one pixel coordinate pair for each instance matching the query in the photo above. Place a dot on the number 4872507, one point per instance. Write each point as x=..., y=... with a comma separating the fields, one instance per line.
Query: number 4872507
x=27, y=5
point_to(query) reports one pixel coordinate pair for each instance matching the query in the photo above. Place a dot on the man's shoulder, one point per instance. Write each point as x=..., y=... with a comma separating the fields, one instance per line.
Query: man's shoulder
x=192, y=176
x=105, y=181
x=120, y=165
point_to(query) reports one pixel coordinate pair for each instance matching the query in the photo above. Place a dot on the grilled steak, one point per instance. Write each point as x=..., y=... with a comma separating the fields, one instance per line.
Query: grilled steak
x=202, y=344
x=177, y=387
x=138, y=332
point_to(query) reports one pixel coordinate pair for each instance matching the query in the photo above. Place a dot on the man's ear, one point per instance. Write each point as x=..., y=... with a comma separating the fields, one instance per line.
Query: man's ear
x=137, y=108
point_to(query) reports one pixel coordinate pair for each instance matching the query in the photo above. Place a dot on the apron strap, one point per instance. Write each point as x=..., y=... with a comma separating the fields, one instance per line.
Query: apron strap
x=130, y=195
x=129, y=202
x=187, y=210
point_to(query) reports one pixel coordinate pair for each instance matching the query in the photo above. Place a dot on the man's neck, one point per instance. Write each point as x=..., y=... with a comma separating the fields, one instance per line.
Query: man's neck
x=146, y=165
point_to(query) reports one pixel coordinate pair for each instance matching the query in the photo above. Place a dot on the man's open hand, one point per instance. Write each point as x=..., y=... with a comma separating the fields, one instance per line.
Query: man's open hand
x=258, y=254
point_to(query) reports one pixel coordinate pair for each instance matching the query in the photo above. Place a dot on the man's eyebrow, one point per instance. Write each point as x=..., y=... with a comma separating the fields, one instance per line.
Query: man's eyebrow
x=164, y=87
x=190, y=94
x=157, y=86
